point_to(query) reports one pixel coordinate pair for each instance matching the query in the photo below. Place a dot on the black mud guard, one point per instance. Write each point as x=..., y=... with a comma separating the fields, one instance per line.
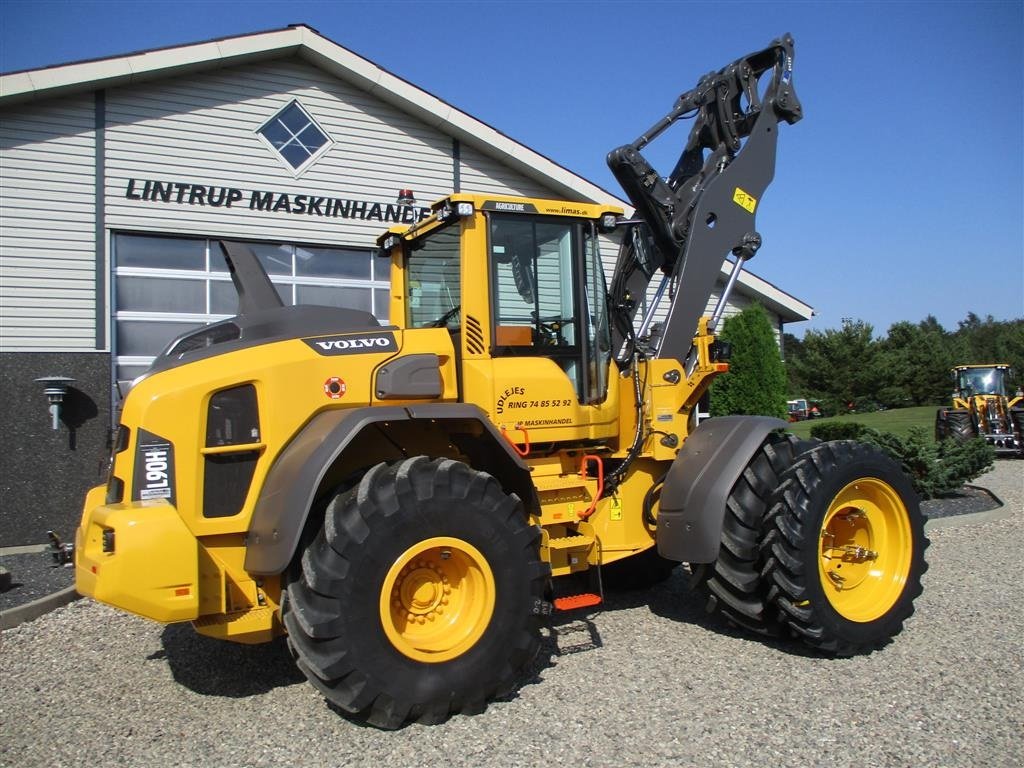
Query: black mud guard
x=692, y=507
x=295, y=478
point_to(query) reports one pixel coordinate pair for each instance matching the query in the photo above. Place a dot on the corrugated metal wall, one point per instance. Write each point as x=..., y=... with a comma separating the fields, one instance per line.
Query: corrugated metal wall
x=199, y=131
x=480, y=173
x=48, y=227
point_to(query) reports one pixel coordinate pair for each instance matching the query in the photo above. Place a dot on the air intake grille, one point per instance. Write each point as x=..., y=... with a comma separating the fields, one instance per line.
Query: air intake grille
x=474, y=336
x=232, y=419
x=226, y=482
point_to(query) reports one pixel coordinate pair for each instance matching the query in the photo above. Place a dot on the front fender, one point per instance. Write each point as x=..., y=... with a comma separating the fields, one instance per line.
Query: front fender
x=692, y=507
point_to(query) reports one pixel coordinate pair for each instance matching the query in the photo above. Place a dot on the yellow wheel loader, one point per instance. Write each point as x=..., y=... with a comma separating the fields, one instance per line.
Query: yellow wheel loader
x=983, y=408
x=410, y=503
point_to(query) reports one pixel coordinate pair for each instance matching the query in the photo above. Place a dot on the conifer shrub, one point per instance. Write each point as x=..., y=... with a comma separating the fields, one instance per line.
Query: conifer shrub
x=935, y=468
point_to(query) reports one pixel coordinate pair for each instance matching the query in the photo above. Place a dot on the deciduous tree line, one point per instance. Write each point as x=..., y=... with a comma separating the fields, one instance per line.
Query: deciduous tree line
x=852, y=369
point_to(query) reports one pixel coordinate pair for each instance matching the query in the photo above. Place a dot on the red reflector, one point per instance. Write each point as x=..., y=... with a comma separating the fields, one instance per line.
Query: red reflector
x=94, y=569
x=182, y=591
x=721, y=366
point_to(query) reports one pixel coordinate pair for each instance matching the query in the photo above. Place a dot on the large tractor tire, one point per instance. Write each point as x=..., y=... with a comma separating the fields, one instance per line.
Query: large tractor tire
x=421, y=597
x=733, y=585
x=960, y=425
x=941, y=424
x=1017, y=423
x=845, y=548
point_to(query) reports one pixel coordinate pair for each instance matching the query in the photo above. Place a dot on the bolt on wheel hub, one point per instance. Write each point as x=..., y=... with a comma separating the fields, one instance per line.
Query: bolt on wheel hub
x=423, y=592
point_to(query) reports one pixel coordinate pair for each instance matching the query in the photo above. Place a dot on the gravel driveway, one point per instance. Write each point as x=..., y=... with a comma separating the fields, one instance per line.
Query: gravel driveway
x=649, y=681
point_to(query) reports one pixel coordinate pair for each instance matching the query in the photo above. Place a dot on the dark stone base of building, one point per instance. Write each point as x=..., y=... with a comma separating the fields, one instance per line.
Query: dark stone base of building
x=44, y=473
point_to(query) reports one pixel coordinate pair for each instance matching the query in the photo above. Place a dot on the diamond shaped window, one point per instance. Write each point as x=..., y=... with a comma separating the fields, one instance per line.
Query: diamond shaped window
x=295, y=136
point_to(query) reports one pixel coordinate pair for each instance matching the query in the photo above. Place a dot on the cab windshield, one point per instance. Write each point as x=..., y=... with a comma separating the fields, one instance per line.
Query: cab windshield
x=981, y=381
x=548, y=296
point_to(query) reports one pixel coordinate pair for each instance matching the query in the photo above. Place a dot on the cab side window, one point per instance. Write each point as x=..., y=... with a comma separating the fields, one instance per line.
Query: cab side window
x=432, y=280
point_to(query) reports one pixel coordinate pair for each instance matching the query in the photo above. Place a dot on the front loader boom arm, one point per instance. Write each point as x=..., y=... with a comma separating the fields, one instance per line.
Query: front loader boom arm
x=692, y=219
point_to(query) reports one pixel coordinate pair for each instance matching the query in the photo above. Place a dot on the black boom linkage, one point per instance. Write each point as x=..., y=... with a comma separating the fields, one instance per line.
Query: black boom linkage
x=687, y=223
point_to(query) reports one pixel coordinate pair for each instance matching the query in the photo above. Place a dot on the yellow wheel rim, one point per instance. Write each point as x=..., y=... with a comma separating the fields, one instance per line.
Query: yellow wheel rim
x=866, y=550
x=437, y=599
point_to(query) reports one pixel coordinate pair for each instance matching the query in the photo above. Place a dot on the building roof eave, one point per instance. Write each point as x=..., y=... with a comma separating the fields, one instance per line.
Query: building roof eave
x=789, y=308
x=142, y=66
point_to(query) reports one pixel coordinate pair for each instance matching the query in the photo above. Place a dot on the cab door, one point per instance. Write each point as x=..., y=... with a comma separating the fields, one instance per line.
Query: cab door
x=550, y=343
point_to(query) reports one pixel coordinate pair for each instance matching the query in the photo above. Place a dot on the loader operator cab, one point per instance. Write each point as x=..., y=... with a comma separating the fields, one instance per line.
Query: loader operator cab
x=521, y=289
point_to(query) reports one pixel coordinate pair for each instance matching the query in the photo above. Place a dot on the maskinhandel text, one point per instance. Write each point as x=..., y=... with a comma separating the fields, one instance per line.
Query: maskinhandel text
x=271, y=202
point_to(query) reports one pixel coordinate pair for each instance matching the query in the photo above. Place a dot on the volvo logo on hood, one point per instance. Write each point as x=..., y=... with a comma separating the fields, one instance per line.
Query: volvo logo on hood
x=351, y=344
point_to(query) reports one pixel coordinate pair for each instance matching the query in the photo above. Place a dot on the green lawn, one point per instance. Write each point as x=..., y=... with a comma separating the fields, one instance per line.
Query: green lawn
x=898, y=421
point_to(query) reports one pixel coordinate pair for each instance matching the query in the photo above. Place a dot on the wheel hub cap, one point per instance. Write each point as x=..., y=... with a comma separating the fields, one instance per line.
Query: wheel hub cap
x=422, y=592
x=437, y=599
x=865, y=550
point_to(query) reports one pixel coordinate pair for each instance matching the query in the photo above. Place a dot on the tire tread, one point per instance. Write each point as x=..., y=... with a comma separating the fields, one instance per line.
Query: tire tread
x=733, y=585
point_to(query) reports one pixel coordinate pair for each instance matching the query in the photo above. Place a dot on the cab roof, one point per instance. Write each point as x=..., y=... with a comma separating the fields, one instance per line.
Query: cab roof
x=442, y=209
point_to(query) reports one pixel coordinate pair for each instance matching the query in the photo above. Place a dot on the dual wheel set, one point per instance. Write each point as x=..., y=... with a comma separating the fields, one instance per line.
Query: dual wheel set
x=423, y=594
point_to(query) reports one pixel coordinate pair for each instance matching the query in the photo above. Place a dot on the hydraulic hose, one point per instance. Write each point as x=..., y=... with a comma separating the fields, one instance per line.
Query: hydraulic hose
x=614, y=477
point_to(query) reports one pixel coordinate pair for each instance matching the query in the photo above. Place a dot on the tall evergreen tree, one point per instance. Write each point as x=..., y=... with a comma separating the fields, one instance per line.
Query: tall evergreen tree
x=910, y=366
x=990, y=341
x=916, y=361
x=841, y=368
x=756, y=381
x=792, y=349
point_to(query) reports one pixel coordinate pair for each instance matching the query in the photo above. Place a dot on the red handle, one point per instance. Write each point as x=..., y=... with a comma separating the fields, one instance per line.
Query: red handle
x=526, y=440
x=600, y=483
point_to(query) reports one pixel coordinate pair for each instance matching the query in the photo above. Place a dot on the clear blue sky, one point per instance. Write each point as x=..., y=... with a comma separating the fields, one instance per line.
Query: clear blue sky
x=899, y=195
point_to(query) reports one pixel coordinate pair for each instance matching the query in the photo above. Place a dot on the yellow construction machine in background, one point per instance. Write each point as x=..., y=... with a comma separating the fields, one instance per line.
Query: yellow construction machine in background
x=982, y=407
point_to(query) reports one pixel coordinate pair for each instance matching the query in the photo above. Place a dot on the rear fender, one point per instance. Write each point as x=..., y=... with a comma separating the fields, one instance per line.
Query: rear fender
x=692, y=507
x=337, y=445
